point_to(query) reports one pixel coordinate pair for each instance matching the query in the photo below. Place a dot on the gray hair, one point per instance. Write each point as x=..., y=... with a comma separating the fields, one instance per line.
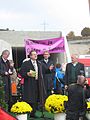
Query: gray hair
x=75, y=55
x=5, y=52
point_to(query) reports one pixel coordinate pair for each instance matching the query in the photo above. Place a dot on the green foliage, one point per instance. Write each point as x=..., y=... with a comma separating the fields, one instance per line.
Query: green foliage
x=2, y=95
x=85, y=32
x=70, y=35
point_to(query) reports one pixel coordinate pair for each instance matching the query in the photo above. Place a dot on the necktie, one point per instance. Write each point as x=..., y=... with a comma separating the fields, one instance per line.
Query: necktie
x=36, y=69
x=34, y=65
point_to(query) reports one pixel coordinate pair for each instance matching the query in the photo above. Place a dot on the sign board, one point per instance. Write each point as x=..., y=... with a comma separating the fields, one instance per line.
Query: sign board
x=54, y=45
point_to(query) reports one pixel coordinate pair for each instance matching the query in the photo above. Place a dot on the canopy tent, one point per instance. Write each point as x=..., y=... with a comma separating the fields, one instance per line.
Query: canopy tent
x=3, y=46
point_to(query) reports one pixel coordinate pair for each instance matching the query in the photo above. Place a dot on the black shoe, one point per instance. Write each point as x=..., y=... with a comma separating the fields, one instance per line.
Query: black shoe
x=33, y=116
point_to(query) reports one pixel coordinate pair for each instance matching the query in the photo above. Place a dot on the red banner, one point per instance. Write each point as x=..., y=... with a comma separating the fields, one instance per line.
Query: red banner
x=5, y=115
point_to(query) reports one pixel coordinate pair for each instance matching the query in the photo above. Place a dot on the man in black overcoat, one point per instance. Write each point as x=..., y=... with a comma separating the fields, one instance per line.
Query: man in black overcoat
x=73, y=69
x=76, y=105
x=48, y=72
x=5, y=72
x=31, y=71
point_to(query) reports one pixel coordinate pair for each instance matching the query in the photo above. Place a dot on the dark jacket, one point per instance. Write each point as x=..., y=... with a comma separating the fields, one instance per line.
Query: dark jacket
x=47, y=74
x=4, y=67
x=33, y=89
x=76, y=98
x=68, y=73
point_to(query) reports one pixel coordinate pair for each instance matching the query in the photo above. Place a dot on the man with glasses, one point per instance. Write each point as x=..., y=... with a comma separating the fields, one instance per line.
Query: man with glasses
x=31, y=71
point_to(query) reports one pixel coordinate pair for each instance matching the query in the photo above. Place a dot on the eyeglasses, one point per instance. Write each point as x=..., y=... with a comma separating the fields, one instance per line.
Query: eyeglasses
x=46, y=54
x=34, y=54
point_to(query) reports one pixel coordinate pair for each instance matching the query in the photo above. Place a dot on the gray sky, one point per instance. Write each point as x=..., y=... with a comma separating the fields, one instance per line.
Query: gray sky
x=59, y=15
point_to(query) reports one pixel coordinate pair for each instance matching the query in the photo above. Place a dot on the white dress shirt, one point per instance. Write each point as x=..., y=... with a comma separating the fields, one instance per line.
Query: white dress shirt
x=36, y=68
x=46, y=60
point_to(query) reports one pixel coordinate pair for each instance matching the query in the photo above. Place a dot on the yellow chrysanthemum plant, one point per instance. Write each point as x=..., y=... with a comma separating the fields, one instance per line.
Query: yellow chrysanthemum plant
x=21, y=108
x=55, y=103
x=88, y=106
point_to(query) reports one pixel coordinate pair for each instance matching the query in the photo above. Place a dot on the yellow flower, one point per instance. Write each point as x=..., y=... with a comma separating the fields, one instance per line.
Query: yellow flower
x=21, y=107
x=88, y=105
x=55, y=103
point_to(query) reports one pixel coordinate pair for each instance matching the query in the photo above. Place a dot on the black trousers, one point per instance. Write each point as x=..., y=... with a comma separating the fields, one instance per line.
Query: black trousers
x=75, y=116
x=72, y=116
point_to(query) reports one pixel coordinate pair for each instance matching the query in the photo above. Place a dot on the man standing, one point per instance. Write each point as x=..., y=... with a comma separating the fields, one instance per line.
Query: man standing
x=73, y=69
x=5, y=72
x=48, y=72
x=76, y=105
x=31, y=71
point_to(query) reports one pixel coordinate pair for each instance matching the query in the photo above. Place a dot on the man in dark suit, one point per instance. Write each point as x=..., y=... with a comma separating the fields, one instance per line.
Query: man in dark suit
x=73, y=69
x=48, y=72
x=31, y=71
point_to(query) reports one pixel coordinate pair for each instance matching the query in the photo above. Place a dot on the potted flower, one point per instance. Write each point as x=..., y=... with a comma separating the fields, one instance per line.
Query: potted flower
x=21, y=109
x=88, y=110
x=55, y=104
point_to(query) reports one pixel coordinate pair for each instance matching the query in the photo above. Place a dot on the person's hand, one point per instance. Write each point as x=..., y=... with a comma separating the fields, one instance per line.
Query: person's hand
x=10, y=72
x=6, y=73
x=28, y=73
x=86, y=82
x=66, y=87
x=31, y=73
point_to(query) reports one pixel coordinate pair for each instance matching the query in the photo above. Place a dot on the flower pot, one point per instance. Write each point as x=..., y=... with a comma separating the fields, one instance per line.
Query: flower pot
x=22, y=117
x=59, y=116
x=88, y=116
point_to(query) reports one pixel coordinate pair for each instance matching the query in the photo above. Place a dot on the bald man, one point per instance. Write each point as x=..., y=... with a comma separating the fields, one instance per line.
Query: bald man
x=76, y=105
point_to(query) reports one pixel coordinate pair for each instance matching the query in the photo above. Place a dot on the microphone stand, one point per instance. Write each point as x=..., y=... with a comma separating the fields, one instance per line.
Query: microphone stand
x=42, y=99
